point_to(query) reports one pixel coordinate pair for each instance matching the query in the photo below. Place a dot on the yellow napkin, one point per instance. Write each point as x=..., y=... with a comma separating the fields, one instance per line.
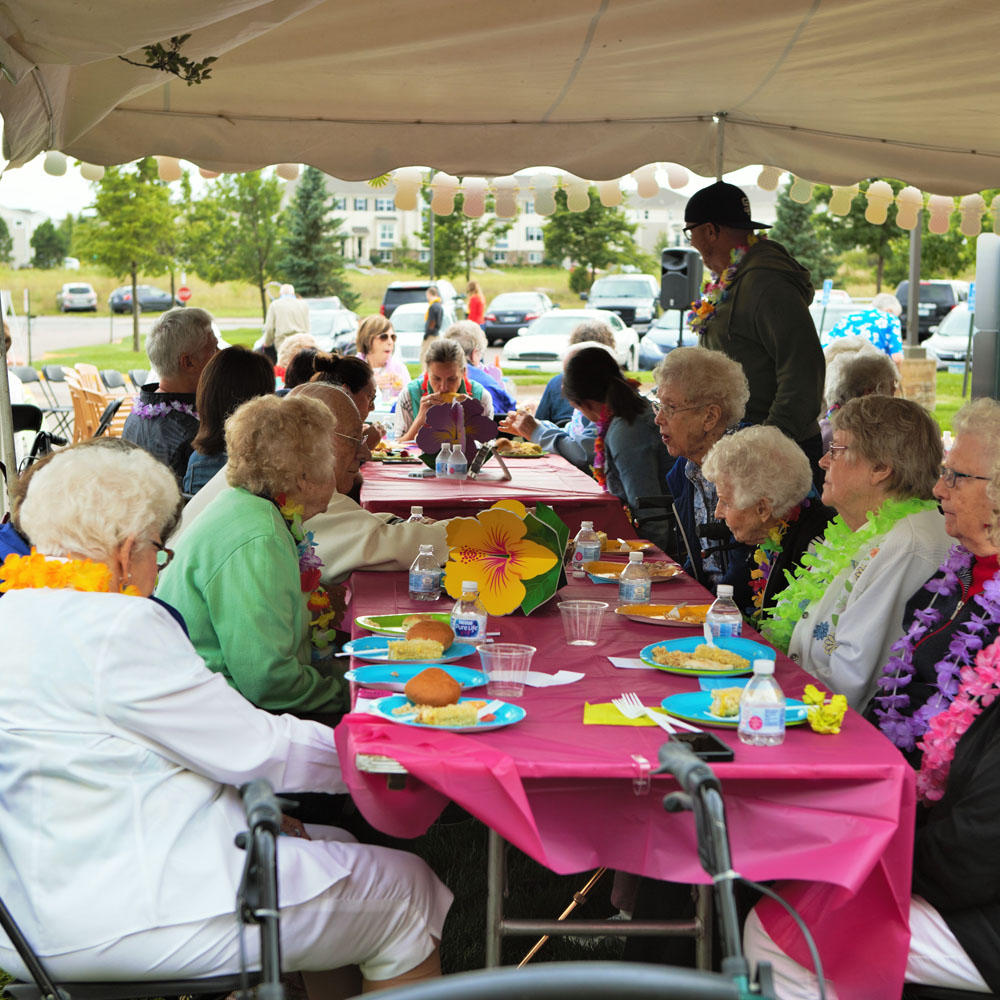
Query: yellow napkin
x=605, y=714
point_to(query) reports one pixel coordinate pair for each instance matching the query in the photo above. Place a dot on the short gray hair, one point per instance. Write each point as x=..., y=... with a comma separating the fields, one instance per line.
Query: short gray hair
x=442, y=351
x=866, y=375
x=177, y=332
x=593, y=331
x=470, y=335
x=899, y=435
x=271, y=442
x=707, y=377
x=760, y=463
x=291, y=346
x=888, y=303
x=88, y=500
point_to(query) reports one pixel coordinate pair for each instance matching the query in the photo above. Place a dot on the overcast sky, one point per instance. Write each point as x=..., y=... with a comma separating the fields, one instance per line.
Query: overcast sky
x=31, y=188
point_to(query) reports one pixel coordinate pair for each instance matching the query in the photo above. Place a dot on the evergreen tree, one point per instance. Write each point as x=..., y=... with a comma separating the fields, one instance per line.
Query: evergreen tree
x=6, y=244
x=310, y=256
x=796, y=230
x=596, y=238
x=48, y=246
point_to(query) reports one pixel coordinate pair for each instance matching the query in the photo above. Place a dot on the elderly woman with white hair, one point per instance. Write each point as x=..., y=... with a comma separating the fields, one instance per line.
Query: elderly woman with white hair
x=445, y=379
x=246, y=577
x=763, y=487
x=123, y=755
x=701, y=394
x=852, y=373
x=842, y=612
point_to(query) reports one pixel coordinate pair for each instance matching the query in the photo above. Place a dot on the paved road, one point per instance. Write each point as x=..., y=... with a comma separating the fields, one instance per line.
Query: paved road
x=75, y=330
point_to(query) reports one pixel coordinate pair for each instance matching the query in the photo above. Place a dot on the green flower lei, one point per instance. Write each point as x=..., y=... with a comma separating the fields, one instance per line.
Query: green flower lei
x=839, y=548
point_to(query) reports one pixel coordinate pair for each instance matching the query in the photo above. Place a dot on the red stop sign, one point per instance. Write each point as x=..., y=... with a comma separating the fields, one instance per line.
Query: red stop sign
x=184, y=293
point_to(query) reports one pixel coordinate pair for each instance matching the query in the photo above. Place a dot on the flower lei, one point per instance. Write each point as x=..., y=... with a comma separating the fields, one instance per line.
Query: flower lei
x=35, y=572
x=715, y=292
x=318, y=604
x=839, y=548
x=767, y=553
x=602, y=428
x=904, y=730
x=147, y=411
x=978, y=688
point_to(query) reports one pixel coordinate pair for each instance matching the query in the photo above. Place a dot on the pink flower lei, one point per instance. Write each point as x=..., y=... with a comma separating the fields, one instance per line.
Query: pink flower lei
x=602, y=428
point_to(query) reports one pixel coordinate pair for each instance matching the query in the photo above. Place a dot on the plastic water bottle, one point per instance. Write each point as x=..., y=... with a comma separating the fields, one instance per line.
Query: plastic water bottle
x=724, y=618
x=468, y=617
x=634, y=585
x=762, y=708
x=425, y=575
x=586, y=545
x=416, y=515
x=458, y=466
x=441, y=462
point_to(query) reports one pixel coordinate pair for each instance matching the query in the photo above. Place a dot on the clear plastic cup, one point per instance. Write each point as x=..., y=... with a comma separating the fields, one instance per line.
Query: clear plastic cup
x=582, y=621
x=506, y=665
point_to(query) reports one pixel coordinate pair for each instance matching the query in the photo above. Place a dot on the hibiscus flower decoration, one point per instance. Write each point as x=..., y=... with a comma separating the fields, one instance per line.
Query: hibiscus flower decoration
x=456, y=423
x=492, y=550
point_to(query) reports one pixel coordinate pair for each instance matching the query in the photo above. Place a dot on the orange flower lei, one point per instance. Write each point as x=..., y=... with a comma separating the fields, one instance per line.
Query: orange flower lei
x=36, y=572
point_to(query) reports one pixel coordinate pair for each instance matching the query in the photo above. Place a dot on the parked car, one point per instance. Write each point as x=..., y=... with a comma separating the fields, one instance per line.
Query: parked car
x=77, y=296
x=408, y=322
x=949, y=343
x=634, y=297
x=542, y=345
x=836, y=310
x=663, y=335
x=936, y=299
x=151, y=299
x=400, y=292
x=509, y=311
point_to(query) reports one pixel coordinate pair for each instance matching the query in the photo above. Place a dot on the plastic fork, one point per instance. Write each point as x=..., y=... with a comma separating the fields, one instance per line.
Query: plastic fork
x=631, y=706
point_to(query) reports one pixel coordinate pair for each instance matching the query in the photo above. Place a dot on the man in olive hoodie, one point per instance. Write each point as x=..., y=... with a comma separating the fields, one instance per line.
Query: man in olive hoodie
x=760, y=317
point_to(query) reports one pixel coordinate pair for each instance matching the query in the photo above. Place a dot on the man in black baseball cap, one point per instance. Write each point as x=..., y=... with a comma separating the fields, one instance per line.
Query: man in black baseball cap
x=756, y=312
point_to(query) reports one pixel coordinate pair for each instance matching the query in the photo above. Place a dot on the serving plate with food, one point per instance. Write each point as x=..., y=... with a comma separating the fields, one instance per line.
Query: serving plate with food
x=623, y=546
x=511, y=448
x=395, y=676
x=398, y=625
x=674, y=615
x=383, y=452
x=720, y=707
x=608, y=572
x=693, y=657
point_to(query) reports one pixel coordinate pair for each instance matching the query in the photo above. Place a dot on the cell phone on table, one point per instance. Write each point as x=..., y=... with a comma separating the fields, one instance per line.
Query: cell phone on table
x=707, y=746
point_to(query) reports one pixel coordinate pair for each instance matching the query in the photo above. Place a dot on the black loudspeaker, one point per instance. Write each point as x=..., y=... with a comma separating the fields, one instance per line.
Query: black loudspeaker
x=681, y=271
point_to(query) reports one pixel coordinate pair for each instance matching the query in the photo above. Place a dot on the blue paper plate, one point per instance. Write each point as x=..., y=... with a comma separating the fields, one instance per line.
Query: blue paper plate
x=693, y=706
x=742, y=647
x=505, y=715
x=376, y=649
x=393, y=676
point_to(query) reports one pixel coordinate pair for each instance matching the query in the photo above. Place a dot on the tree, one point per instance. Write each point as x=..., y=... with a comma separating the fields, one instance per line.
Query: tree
x=233, y=231
x=796, y=229
x=48, y=246
x=6, y=244
x=132, y=221
x=596, y=238
x=458, y=240
x=310, y=256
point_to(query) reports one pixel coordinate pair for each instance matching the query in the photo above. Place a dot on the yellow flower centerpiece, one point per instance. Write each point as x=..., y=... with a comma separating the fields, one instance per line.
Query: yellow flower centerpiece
x=513, y=555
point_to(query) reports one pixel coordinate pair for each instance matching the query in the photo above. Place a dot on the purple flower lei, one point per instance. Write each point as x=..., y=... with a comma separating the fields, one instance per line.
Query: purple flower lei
x=905, y=730
x=147, y=411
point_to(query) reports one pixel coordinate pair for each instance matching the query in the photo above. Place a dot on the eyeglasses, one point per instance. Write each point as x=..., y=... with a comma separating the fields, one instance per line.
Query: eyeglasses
x=386, y=336
x=163, y=554
x=689, y=230
x=358, y=443
x=836, y=450
x=669, y=411
x=951, y=477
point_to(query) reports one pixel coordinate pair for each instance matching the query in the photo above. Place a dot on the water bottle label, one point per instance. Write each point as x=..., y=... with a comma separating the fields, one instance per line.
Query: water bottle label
x=763, y=720
x=426, y=582
x=726, y=630
x=586, y=552
x=635, y=591
x=468, y=628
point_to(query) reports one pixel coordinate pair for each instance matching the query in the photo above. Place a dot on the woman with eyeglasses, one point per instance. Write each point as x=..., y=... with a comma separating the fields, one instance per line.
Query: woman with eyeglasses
x=377, y=345
x=246, y=577
x=843, y=609
x=123, y=754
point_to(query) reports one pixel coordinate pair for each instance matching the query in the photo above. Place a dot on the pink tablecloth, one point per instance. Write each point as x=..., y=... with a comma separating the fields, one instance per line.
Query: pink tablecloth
x=552, y=480
x=834, y=812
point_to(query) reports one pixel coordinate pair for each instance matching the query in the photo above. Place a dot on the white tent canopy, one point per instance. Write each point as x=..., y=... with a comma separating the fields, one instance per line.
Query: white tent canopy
x=832, y=90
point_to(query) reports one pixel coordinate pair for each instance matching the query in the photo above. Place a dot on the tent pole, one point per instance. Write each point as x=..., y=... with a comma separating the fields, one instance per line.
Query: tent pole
x=720, y=146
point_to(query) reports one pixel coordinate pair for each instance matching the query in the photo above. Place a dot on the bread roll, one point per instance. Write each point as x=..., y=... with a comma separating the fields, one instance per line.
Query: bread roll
x=431, y=628
x=433, y=686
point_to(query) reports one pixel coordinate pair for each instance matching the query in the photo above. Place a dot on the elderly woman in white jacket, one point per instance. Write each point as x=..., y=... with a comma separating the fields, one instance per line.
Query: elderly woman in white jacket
x=122, y=753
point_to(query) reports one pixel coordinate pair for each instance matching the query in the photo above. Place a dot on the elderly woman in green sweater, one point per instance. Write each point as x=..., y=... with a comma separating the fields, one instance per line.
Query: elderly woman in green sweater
x=246, y=577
